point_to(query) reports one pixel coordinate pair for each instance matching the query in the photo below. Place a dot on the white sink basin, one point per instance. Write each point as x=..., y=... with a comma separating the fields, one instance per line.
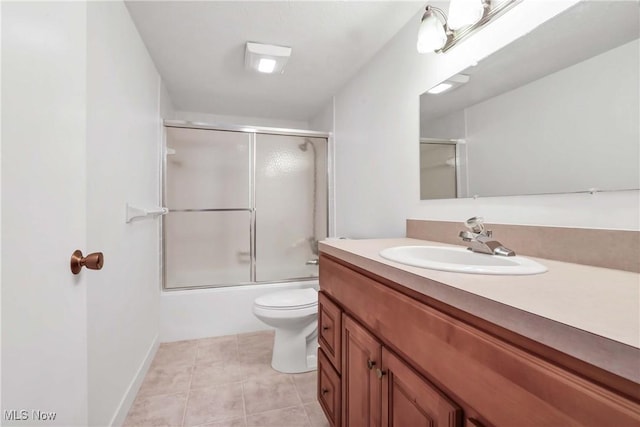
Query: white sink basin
x=461, y=260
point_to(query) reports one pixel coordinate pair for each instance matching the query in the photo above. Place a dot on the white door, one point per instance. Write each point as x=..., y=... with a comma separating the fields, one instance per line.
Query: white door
x=44, y=351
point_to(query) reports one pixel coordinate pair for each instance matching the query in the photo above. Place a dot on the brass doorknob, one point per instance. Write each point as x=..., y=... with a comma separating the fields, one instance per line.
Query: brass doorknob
x=93, y=261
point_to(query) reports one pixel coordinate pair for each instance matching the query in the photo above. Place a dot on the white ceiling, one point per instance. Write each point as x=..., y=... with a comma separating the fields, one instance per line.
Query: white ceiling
x=198, y=48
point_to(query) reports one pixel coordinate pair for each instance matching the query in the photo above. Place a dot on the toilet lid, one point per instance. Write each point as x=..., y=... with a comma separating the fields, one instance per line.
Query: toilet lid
x=291, y=299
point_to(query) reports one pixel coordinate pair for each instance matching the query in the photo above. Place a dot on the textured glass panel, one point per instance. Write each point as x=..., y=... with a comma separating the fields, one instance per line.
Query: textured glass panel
x=437, y=171
x=209, y=169
x=291, y=205
x=206, y=249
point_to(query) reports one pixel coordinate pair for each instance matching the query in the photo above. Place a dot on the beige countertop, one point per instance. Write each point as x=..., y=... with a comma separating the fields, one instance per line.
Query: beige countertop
x=588, y=310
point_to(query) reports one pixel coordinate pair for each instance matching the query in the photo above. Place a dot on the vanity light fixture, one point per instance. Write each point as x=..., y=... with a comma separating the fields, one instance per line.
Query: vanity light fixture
x=451, y=83
x=463, y=13
x=431, y=34
x=439, y=33
x=266, y=58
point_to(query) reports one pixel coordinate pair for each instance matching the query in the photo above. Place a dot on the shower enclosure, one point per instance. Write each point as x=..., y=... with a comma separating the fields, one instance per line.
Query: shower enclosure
x=245, y=206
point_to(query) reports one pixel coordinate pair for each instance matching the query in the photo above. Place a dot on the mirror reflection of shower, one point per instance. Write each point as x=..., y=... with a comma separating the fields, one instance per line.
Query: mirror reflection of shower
x=313, y=239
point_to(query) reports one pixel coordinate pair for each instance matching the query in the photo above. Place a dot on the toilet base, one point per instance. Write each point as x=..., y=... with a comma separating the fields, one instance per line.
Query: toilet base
x=293, y=353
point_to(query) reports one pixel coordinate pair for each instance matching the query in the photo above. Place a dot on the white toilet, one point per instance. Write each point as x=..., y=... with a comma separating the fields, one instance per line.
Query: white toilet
x=294, y=315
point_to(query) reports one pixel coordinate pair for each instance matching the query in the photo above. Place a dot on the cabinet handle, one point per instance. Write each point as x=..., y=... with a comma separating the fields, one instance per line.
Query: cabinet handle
x=370, y=364
x=324, y=391
x=380, y=373
x=325, y=328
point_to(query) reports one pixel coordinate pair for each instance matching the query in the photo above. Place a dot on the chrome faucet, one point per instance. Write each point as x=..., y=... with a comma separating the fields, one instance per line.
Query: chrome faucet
x=480, y=240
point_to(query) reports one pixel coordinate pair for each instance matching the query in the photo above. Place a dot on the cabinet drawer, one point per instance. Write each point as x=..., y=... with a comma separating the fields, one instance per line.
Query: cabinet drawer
x=329, y=389
x=330, y=329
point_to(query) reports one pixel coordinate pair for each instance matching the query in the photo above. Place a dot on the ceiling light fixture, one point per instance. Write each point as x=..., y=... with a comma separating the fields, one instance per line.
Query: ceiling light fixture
x=449, y=84
x=266, y=58
x=439, y=33
x=442, y=87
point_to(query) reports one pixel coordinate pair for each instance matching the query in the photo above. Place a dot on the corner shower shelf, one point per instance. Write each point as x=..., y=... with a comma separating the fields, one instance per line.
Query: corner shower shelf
x=134, y=212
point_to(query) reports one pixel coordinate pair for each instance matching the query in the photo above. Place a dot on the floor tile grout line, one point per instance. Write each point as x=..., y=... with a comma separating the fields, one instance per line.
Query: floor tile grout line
x=206, y=423
x=244, y=403
x=295, y=387
x=304, y=409
x=186, y=402
x=242, y=376
x=275, y=409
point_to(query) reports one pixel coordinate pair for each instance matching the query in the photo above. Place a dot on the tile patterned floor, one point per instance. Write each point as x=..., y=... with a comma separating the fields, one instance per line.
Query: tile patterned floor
x=224, y=381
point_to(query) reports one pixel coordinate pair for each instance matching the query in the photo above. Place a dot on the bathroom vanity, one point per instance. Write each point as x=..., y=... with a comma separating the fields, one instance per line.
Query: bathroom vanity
x=407, y=346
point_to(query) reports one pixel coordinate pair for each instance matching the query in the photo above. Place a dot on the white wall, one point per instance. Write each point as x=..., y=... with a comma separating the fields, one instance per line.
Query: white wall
x=377, y=129
x=0, y=202
x=323, y=120
x=239, y=120
x=123, y=144
x=166, y=105
x=575, y=128
x=451, y=126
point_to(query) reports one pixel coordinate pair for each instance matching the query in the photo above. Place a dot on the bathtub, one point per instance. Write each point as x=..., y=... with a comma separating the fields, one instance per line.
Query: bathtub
x=199, y=313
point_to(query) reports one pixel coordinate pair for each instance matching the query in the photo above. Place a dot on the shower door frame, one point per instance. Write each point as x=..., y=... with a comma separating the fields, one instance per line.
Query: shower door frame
x=253, y=131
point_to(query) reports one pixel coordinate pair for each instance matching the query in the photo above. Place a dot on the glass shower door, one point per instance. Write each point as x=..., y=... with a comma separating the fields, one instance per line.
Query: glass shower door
x=290, y=202
x=207, y=190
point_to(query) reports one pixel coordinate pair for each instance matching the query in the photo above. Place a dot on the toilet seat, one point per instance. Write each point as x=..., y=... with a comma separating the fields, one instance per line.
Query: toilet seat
x=294, y=299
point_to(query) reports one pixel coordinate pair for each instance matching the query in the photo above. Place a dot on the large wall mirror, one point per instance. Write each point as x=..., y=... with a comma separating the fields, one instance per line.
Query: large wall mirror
x=556, y=111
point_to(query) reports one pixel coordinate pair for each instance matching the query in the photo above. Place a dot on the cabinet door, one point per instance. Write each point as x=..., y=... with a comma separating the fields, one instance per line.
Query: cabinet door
x=361, y=388
x=409, y=400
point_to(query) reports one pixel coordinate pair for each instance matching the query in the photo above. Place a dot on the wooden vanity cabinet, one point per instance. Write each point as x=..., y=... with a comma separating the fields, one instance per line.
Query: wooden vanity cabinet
x=379, y=389
x=405, y=363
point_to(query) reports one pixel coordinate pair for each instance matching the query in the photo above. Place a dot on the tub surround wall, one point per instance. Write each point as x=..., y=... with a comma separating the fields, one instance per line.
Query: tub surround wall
x=617, y=249
x=201, y=313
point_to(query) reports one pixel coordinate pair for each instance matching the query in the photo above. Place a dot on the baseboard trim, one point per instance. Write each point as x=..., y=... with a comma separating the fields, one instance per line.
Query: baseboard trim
x=134, y=386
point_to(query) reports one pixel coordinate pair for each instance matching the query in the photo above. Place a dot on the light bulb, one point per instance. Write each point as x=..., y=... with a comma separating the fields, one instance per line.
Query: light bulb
x=431, y=35
x=463, y=13
x=266, y=65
